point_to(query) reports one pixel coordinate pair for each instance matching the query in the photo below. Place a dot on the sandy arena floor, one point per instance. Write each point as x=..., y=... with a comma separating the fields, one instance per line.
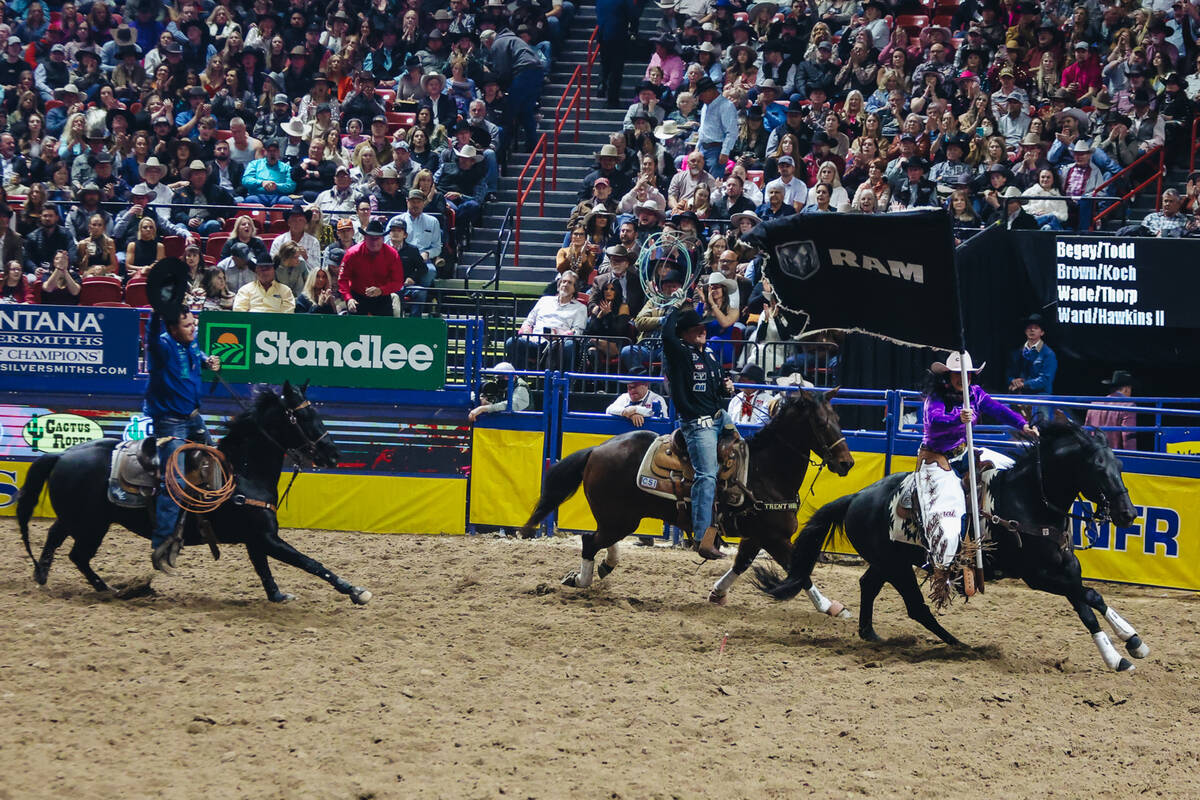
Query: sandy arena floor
x=473, y=674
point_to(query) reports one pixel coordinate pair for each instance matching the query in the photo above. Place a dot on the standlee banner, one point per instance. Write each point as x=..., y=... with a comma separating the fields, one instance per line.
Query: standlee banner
x=886, y=274
x=355, y=352
x=68, y=342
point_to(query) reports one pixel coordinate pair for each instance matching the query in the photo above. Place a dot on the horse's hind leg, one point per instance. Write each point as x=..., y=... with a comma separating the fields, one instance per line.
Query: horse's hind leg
x=54, y=538
x=906, y=584
x=869, y=585
x=82, y=554
x=1125, y=632
x=262, y=566
x=277, y=548
x=747, y=551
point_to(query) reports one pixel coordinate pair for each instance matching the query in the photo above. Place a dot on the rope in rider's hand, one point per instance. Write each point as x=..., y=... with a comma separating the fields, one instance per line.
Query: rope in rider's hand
x=191, y=497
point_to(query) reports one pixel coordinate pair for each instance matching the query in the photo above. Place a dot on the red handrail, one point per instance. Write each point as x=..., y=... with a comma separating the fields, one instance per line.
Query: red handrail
x=593, y=51
x=560, y=117
x=523, y=194
x=1158, y=176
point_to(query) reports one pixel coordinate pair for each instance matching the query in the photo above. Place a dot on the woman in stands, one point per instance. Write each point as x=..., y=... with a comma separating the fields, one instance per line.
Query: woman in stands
x=608, y=316
x=701, y=202
x=419, y=149
x=59, y=189
x=365, y=163
x=30, y=216
x=22, y=102
x=98, y=252
x=852, y=116
x=788, y=145
x=60, y=285
x=15, y=288
x=718, y=316
x=962, y=214
x=827, y=173
x=839, y=143
x=751, y=145
x=245, y=231
x=435, y=201
x=979, y=120
x=319, y=295
x=72, y=144
x=600, y=231
x=29, y=137
x=579, y=256
x=438, y=140
x=145, y=251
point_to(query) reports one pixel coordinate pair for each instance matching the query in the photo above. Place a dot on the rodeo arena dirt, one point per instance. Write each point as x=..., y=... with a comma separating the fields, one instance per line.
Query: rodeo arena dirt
x=474, y=674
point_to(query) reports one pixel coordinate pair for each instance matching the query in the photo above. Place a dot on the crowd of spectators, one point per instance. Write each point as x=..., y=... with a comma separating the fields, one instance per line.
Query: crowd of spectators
x=1012, y=113
x=267, y=144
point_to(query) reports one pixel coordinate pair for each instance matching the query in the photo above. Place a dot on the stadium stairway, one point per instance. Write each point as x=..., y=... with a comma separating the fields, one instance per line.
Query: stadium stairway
x=541, y=236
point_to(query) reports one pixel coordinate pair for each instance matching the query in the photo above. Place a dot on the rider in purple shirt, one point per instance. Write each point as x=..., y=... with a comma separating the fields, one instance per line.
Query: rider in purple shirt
x=945, y=430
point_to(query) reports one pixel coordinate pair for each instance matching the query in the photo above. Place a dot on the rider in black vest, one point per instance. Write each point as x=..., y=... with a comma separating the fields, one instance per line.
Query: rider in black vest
x=700, y=390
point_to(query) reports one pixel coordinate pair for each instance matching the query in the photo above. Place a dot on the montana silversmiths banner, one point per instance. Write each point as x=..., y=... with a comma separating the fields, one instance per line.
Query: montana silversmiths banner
x=887, y=274
x=351, y=351
x=68, y=341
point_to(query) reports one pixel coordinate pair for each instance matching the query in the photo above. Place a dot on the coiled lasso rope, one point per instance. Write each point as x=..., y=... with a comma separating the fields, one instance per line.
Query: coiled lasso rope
x=189, y=496
x=660, y=247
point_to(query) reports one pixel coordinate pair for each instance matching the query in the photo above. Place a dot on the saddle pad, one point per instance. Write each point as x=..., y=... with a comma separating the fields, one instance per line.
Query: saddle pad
x=129, y=485
x=661, y=469
x=909, y=528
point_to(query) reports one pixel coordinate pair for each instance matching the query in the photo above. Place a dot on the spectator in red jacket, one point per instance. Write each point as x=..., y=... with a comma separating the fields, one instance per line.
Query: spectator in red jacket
x=371, y=273
x=1121, y=384
x=1083, y=77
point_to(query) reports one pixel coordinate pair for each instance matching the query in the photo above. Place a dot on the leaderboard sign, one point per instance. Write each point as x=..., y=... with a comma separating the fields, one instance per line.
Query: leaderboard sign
x=56, y=344
x=356, y=352
x=1131, y=284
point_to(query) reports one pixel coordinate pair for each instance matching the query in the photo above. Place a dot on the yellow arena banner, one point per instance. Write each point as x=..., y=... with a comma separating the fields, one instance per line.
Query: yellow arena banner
x=574, y=514
x=506, y=475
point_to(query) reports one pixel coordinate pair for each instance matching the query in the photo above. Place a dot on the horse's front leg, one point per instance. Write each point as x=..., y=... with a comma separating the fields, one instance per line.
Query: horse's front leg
x=277, y=548
x=1068, y=584
x=262, y=566
x=747, y=551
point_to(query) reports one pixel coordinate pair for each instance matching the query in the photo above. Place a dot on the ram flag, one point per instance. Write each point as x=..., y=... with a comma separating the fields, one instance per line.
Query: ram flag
x=891, y=275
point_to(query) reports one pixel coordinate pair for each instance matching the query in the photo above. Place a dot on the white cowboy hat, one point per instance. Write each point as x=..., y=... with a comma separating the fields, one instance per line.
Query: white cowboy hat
x=504, y=366
x=293, y=127
x=651, y=206
x=428, y=76
x=736, y=219
x=468, y=151
x=718, y=279
x=667, y=131
x=954, y=363
x=151, y=163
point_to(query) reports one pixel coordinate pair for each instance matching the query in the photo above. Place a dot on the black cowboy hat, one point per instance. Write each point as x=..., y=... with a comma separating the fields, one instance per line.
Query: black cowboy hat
x=687, y=320
x=1119, y=378
x=752, y=373
x=705, y=84
x=167, y=288
x=1034, y=319
x=644, y=85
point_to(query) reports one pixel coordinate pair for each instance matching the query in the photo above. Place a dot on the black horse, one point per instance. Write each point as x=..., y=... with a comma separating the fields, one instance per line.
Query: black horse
x=779, y=457
x=254, y=447
x=1030, y=503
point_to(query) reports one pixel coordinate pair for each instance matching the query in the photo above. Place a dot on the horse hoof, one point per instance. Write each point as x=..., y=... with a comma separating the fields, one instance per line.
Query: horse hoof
x=39, y=577
x=569, y=580
x=1136, y=647
x=282, y=597
x=1125, y=665
x=360, y=597
x=718, y=599
x=835, y=609
x=870, y=636
x=603, y=570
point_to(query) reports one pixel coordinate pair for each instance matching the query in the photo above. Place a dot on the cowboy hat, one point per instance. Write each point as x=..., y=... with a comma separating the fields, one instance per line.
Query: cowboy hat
x=151, y=163
x=293, y=127
x=667, y=131
x=954, y=363
x=687, y=320
x=608, y=151
x=618, y=251
x=197, y=164
x=468, y=151
x=1119, y=378
x=428, y=76
x=718, y=279
x=736, y=219
x=752, y=373
x=651, y=206
x=374, y=227
x=1010, y=192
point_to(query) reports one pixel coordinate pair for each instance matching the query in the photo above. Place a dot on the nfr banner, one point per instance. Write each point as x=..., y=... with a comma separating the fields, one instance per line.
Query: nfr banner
x=68, y=342
x=886, y=274
x=356, y=352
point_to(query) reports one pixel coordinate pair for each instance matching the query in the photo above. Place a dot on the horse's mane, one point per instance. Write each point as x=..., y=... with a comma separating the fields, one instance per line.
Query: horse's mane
x=774, y=428
x=247, y=422
x=1048, y=430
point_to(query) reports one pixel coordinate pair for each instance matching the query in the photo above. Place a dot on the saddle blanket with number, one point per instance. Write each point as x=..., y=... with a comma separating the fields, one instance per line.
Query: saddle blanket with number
x=666, y=471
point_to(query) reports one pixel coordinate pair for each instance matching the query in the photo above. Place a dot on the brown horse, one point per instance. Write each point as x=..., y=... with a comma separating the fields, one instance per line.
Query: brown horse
x=779, y=457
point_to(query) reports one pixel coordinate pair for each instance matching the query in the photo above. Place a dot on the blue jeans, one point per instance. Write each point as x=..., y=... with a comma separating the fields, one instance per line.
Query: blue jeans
x=467, y=210
x=268, y=200
x=415, y=296
x=180, y=429
x=492, y=179
x=209, y=227
x=702, y=450
x=712, y=153
x=523, y=94
x=1049, y=222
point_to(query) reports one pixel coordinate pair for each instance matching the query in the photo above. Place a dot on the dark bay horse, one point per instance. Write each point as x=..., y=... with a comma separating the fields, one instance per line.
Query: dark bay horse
x=779, y=456
x=254, y=446
x=1034, y=494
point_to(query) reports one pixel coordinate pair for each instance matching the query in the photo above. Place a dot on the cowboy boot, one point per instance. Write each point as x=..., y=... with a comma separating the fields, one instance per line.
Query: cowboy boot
x=708, y=548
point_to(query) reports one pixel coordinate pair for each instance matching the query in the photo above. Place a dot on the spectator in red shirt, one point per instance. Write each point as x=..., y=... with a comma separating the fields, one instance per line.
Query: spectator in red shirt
x=1121, y=384
x=1083, y=77
x=371, y=273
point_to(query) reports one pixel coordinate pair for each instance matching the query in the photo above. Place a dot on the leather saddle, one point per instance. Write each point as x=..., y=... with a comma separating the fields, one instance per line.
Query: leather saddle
x=133, y=477
x=666, y=470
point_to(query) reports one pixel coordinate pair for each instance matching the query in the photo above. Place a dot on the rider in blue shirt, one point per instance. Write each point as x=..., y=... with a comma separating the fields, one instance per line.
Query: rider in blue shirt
x=173, y=404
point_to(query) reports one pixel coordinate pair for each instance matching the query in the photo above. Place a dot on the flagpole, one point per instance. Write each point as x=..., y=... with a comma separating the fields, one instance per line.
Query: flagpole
x=974, y=484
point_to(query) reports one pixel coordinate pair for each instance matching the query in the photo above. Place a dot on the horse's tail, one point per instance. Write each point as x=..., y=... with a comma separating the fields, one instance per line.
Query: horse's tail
x=31, y=491
x=819, y=529
x=561, y=481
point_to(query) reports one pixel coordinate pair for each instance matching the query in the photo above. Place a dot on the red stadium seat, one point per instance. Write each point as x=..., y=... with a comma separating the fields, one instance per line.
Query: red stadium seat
x=755, y=176
x=405, y=118
x=277, y=226
x=100, y=289
x=112, y=304
x=173, y=246
x=224, y=135
x=35, y=289
x=388, y=97
x=215, y=242
x=943, y=20
x=135, y=293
